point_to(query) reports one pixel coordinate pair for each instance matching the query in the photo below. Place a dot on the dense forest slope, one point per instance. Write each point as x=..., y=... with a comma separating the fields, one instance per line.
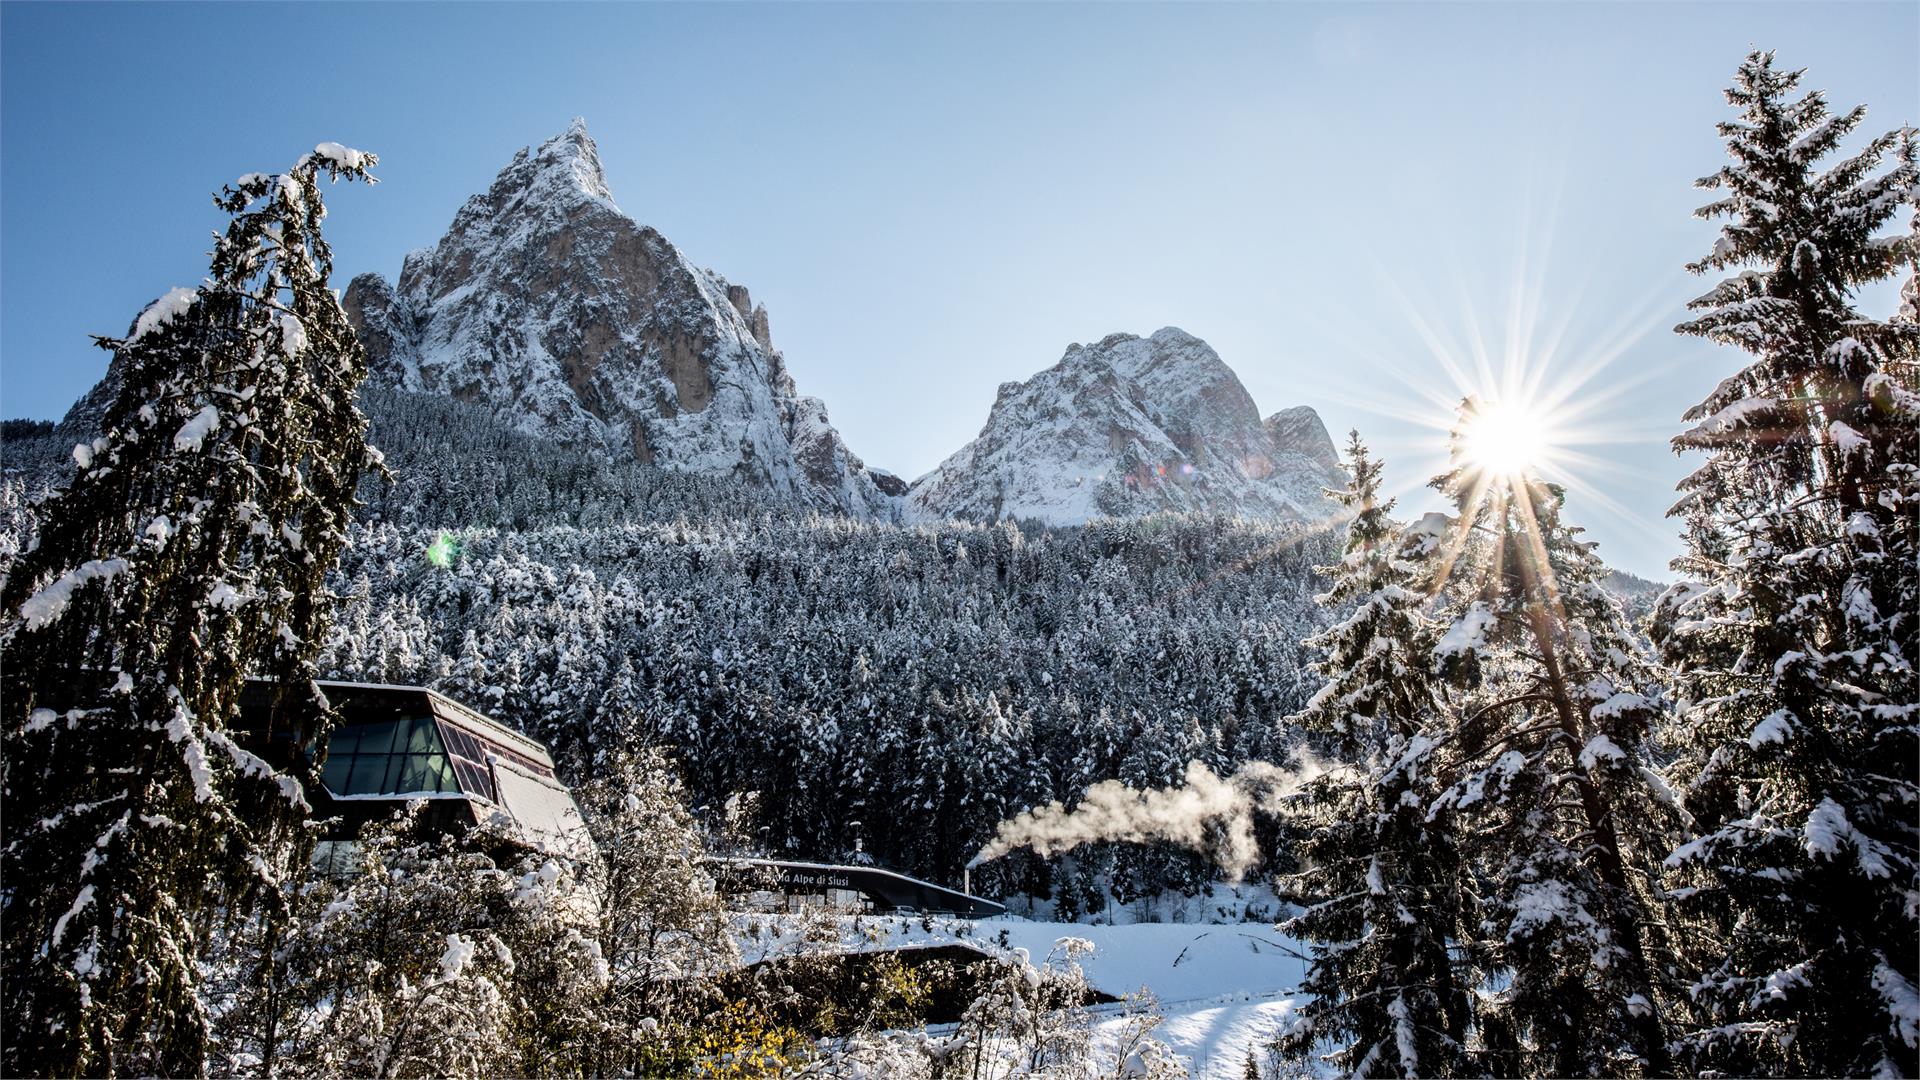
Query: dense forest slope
x=890, y=691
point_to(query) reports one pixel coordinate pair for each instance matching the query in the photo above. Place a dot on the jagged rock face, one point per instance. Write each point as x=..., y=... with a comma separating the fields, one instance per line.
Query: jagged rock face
x=87, y=417
x=1132, y=426
x=888, y=483
x=571, y=321
x=1297, y=433
x=372, y=308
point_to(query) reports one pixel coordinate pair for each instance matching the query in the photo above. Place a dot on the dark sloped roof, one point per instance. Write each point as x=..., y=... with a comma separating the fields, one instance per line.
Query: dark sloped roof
x=444, y=708
x=888, y=889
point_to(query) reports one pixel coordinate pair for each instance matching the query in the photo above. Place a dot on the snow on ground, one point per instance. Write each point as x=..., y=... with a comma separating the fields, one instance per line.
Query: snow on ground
x=1224, y=988
x=1177, y=961
x=1214, y=1037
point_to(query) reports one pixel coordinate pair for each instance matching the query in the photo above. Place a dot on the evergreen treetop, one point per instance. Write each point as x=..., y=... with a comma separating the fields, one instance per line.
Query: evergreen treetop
x=1387, y=893
x=1796, y=636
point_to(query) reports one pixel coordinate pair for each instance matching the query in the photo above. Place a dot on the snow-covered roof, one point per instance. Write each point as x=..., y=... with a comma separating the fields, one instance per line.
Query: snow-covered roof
x=542, y=810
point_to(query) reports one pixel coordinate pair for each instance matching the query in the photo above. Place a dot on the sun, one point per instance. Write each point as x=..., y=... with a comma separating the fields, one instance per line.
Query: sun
x=1505, y=439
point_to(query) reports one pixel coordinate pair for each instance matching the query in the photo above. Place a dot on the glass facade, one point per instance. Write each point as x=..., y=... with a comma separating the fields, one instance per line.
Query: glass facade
x=399, y=741
x=387, y=757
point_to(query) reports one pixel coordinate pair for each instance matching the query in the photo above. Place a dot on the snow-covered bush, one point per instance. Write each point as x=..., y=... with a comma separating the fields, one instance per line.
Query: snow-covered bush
x=1032, y=1021
x=426, y=959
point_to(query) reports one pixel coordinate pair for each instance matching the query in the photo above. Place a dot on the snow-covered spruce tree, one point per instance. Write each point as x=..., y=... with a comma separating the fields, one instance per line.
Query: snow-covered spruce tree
x=1384, y=879
x=186, y=555
x=1796, y=632
x=1554, y=776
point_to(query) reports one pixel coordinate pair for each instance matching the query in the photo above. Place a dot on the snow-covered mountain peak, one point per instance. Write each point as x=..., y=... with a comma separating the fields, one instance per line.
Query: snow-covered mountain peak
x=572, y=155
x=567, y=164
x=571, y=321
x=1300, y=431
x=1184, y=379
x=1132, y=425
x=560, y=179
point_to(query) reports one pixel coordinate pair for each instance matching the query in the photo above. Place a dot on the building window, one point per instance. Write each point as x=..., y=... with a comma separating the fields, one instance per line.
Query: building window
x=469, y=758
x=391, y=757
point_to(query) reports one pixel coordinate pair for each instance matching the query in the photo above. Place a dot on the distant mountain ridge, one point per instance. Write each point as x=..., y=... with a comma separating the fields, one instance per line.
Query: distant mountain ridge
x=550, y=309
x=1131, y=426
x=547, y=304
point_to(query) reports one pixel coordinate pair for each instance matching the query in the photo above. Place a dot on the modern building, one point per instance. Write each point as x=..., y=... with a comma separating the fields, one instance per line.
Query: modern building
x=392, y=745
x=395, y=744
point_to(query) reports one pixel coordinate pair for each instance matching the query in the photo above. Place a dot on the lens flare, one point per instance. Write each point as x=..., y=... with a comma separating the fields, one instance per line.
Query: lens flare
x=443, y=551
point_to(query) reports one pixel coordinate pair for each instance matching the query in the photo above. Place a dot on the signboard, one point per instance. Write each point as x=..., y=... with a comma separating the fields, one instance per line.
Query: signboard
x=813, y=879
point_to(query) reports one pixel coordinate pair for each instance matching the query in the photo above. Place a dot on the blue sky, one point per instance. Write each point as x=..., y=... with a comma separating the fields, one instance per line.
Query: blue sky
x=931, y=200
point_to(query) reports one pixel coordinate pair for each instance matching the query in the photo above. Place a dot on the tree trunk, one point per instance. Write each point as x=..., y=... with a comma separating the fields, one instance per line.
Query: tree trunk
x=1649, y=1029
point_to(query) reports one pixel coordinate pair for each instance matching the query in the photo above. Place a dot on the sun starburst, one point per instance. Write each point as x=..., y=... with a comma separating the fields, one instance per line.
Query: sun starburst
x=1538, y=356
x=1507, y=439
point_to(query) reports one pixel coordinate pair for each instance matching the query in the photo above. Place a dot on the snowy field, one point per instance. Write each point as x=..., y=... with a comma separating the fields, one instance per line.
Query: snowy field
x=1224, y=989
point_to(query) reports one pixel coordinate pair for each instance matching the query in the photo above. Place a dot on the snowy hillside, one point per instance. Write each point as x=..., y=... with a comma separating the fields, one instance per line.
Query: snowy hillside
x=1130, y=426
x=549, y=305
x=1224, y=990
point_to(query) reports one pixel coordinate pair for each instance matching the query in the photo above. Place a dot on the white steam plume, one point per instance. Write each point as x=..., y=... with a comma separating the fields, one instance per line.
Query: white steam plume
x=1181, y=815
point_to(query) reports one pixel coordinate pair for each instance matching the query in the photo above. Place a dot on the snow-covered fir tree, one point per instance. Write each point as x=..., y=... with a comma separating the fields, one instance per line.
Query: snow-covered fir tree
x=1553, y=766
x=1797, y=629
x=187, y=553
x=1388, y=891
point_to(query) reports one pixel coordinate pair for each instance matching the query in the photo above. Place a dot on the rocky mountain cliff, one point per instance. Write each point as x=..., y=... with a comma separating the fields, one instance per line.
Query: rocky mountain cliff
x=1131, y=426
x=548, y=305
